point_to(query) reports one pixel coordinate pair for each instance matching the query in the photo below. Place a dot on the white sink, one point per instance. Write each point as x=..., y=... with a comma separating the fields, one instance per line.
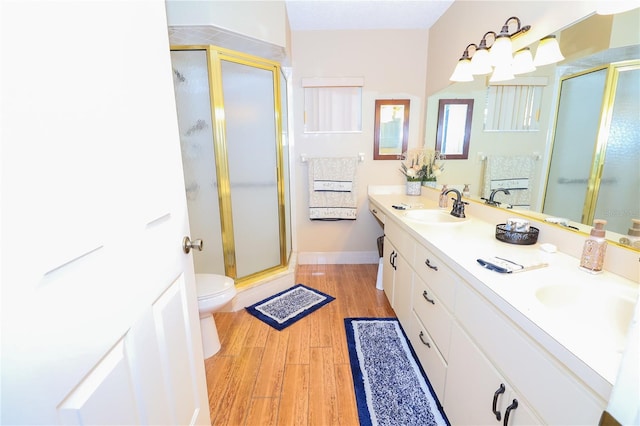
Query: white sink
x=432, y=216
x=591, y=308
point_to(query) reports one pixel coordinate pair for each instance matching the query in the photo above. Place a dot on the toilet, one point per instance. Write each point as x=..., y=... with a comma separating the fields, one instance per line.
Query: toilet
x=214, y=291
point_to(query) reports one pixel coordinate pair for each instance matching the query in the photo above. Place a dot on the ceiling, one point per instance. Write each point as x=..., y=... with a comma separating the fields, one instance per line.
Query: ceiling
x=307, y=15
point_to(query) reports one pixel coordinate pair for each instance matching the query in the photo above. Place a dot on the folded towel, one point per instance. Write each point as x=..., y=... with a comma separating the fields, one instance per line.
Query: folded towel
x=332, y=194
x=514, y=173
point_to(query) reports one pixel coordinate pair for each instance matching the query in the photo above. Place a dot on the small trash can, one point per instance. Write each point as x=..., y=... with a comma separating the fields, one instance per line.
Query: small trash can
x=380, y=252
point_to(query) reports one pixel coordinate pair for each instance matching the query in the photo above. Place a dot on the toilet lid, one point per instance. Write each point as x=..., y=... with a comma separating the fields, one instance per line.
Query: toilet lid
x=208, y=285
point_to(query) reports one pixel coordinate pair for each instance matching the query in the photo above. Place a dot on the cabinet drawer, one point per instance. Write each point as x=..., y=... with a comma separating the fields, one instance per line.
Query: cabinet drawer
x=377, y=212
x=436, y=275
x=432, y=362
x=432, y=314
x=557, y=395
x=403, y=242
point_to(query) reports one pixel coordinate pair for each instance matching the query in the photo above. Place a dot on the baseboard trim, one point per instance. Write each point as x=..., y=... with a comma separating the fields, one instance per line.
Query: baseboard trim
x=338, y=258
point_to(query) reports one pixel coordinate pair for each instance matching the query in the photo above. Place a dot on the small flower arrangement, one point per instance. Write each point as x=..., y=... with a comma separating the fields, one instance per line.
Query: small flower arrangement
x=419, y=165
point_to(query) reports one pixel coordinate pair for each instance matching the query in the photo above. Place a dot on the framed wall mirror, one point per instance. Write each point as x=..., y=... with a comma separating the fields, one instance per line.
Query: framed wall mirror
x=391, y=133
x=454, y=128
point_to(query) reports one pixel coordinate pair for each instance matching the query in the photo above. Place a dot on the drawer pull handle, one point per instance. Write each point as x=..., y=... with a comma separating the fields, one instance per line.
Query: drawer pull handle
x=426, y=296
x=427, y=344
x=426, y=262
x=500, y=391
x=374, y=211
x=508, y=411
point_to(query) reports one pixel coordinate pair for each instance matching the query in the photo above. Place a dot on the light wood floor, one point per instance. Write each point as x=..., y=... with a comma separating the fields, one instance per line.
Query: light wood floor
x=300, y=375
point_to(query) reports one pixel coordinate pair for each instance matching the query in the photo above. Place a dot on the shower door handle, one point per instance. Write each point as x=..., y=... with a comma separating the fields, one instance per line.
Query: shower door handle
x=187, y=245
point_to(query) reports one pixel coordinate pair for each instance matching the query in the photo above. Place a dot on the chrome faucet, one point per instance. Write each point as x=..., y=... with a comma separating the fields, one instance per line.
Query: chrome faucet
x=458, y=204
x=490, y=201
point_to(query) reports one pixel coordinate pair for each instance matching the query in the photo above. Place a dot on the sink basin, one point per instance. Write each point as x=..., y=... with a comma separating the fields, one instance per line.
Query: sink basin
x=430, y=216
x=592, y=308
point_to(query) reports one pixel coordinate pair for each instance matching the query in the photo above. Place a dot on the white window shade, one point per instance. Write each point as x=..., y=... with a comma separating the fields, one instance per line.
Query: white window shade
x=514, y=105
x=332, y=105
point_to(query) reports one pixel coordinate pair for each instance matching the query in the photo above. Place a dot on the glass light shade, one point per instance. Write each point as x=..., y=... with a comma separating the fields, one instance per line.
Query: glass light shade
x=523, y=62
x=481, y=62
x=502, y=73
x=548, y=52
x=501, y=51
x=462, y=71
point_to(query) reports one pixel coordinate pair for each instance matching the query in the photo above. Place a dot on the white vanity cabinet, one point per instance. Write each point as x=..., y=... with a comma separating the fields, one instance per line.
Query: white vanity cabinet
x=471, y=346
x=396, y=274
x=557, y=395
x=476, y=393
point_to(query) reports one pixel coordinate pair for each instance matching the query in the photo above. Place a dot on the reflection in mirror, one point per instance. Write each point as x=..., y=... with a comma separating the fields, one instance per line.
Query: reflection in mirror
x=454, y=128
x=391, y=134
x=594, y=42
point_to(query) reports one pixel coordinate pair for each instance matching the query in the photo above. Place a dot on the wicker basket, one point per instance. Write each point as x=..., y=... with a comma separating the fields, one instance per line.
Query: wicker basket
x=515, y=237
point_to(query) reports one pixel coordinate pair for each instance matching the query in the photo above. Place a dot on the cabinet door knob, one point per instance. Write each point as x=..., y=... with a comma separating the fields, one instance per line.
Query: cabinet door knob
x=427, y=344
x=426, y=296
x=500, y=391
x=428, y=263
x=508, y=411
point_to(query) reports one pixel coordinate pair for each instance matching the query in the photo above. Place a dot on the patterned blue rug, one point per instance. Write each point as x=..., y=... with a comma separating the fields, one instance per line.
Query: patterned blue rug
x=283, y=309
x=391, y=387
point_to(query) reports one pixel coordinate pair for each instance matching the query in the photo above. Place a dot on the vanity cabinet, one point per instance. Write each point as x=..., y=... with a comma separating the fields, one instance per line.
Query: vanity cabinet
x=476, y=393
x=396, y=272
x=471, y=350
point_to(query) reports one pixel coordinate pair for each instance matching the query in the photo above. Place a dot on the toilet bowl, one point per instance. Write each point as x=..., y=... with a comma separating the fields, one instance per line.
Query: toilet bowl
x=214, y=291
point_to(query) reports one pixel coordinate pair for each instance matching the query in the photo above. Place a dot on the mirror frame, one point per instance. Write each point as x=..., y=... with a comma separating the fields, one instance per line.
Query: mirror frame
x=443, y=128
x=402, y=144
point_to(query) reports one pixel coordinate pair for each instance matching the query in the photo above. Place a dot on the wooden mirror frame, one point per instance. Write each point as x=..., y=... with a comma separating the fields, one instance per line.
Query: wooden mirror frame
x=378, y=148
x=442, y=127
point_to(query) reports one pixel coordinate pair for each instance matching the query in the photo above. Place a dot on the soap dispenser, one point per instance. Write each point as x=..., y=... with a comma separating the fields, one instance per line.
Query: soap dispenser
x=632, y=238
x=594, y=248
x=442, y=201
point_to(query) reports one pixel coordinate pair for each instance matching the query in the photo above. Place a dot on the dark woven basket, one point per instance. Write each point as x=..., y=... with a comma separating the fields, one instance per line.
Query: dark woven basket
x=515, y=237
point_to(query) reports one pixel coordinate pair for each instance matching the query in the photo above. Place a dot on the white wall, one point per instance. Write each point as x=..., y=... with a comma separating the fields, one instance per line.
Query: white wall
x=393, y=64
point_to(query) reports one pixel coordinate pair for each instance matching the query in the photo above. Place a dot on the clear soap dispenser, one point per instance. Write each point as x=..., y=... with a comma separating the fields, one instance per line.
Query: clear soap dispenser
x=442, y=201
x=594, y=248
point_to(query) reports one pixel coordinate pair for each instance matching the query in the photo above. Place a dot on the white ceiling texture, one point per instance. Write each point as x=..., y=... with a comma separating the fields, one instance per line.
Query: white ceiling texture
x=306, y=15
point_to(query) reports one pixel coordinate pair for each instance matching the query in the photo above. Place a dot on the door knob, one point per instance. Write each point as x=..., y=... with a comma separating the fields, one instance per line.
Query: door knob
x=187, y=245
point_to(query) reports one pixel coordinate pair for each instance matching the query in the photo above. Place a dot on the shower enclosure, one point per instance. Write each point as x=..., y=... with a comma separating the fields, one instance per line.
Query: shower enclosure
x=594, y=168
x=233, y=133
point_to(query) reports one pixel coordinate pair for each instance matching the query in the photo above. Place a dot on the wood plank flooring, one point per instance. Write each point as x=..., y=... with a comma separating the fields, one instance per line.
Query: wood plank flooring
x=300, y=375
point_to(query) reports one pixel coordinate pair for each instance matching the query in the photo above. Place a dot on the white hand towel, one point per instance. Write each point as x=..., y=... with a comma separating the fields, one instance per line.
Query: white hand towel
x=332, y=188
x=514, y=173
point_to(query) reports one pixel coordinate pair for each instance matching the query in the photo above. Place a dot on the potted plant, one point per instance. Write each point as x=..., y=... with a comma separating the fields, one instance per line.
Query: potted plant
x=420, y=165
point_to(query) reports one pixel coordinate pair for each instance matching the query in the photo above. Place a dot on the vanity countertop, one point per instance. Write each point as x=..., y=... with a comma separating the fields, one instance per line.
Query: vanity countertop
x=580, y=318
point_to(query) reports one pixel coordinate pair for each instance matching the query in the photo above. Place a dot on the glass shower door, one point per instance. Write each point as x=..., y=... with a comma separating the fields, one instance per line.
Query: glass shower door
x=251, y=143
x=618, y=193
x=576, y=132
x=191, y=86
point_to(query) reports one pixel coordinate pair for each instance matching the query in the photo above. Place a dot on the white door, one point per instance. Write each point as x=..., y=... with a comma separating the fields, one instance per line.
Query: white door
x=99, y=311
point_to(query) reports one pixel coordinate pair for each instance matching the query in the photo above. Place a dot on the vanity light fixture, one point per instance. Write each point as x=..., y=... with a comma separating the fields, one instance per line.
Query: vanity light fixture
x=548, y=51
x=501, y=51
x=481, y=60
x=462, y=72
x=523, y=62
x=499, y=55
x=502, y=72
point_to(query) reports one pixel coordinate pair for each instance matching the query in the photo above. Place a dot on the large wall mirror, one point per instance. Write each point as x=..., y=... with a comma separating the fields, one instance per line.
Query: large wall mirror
x=391, y=132
x=610, y=43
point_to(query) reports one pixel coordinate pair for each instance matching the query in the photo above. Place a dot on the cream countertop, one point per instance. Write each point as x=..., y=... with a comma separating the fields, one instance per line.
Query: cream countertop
x=583, y=325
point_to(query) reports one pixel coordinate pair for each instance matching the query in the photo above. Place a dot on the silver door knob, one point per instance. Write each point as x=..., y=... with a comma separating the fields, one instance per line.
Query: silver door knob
x=187, y=245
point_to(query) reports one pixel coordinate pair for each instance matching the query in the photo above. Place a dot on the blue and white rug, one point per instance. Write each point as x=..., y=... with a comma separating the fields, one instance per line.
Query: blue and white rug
x=391, y=387
x=283, y=309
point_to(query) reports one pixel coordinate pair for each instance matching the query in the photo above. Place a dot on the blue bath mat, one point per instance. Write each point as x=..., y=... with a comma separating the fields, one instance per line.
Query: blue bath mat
x=391, y=386
x=285, y=308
